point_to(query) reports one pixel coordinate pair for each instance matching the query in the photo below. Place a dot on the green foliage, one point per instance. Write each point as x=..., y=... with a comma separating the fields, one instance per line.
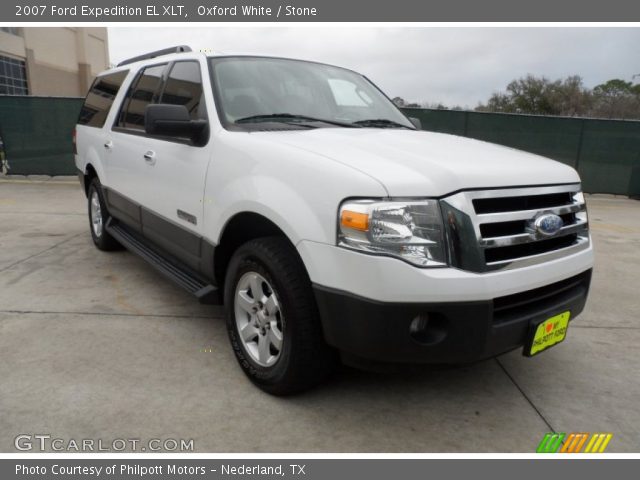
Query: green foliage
x=615, y=98
x=615, y=87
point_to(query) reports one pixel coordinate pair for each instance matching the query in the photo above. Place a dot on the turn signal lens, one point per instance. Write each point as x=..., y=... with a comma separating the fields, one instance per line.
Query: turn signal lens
x=356, y=220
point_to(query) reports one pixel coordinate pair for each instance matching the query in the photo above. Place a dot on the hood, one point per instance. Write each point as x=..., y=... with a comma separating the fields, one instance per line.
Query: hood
x=420, y=163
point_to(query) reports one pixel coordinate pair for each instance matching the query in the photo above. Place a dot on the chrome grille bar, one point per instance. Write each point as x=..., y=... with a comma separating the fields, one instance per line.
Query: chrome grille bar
x=528, y=214
x=506, y=240
x=580, y=244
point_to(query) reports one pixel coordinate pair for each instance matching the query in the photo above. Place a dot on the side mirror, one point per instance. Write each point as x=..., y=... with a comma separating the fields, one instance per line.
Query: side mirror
x=416, y=122
x=172, y=121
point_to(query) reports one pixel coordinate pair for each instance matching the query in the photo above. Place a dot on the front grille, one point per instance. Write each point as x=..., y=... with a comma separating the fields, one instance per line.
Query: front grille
x=501, y=225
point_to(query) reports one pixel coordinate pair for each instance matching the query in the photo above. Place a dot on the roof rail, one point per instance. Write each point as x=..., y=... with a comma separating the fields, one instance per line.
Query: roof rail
x=157, y=53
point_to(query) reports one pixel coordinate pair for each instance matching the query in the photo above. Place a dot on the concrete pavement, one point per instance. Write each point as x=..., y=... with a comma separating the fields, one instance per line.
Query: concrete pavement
x=98, y=345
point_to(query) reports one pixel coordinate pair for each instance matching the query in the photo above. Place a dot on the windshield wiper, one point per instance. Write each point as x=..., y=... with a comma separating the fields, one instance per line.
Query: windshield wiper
x=292, y=118
x=380, y=123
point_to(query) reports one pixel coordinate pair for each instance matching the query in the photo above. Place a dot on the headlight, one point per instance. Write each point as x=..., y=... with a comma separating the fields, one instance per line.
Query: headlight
x=410, y=230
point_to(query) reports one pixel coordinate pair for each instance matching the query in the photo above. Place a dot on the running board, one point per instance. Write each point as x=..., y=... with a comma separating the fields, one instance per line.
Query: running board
x=183, y=276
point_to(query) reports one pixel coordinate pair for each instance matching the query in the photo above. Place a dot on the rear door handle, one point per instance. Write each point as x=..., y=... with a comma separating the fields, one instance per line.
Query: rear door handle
x=150, y=157
x=108, y=145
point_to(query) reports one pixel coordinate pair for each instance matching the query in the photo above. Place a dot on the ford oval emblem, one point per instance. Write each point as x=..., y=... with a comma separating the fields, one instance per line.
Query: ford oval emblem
x=548, y=224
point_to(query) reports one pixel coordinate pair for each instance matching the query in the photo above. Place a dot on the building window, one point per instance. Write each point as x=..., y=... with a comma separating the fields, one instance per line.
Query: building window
x=10, y=30
x=13, y=77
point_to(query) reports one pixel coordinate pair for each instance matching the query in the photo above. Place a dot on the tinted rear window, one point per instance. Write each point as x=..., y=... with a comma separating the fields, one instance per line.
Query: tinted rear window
x=100, y=98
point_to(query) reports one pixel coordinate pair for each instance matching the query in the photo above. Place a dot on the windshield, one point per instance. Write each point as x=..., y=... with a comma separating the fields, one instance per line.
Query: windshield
x=253, y=90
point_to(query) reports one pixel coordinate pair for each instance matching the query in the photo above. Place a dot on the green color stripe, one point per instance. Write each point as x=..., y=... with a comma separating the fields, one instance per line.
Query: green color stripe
x=550, y=443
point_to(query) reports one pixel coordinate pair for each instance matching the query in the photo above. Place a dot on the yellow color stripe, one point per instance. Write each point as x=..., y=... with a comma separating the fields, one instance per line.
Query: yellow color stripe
x=606, y=442
x=590, y=444
x=598, y=442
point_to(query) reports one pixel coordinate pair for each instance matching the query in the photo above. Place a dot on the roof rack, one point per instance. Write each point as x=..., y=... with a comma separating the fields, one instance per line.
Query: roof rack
x=157, y=53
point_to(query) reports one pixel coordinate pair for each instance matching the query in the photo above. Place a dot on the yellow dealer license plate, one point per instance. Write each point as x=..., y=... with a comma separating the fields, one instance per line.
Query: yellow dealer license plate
x=547, y=334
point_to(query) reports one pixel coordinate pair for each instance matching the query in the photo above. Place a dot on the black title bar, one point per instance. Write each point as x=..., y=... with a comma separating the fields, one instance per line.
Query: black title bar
x=70, y=11
x=315, y=469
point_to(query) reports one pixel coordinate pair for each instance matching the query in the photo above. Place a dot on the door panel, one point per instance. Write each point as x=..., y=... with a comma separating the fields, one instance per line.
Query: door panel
x=165, y=176
x=123, y=209
x=125, y=164
x=172, y=238
x=175, y=185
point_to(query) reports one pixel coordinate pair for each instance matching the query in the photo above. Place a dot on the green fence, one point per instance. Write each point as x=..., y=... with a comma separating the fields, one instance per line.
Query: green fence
x=37, y=139
x=36, y=132
x=605, y=152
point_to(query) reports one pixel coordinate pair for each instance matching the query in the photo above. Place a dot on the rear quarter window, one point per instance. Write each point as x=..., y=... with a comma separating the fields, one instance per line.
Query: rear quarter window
x=100, y=98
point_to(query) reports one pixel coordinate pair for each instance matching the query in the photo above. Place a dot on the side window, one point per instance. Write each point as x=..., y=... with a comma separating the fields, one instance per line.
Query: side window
x=100, y=98
x=184, y=87
x=143, y=91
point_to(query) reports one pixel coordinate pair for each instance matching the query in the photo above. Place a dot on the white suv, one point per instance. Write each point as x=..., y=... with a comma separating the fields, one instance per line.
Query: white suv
x=298, y=195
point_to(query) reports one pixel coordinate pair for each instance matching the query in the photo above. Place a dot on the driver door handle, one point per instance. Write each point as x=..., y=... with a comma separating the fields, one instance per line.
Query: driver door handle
x=108, y=145
x=150, y=157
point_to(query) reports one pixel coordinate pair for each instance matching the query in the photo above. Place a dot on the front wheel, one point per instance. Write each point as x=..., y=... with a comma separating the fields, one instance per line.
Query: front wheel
x=273, y=320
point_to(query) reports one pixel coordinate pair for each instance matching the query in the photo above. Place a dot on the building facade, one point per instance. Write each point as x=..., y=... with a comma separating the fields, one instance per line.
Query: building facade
x=51, y=61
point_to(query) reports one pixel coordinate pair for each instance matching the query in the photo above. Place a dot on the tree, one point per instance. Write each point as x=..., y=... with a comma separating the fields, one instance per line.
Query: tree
x=531, y=94
x=617, y=98
x=567, y=97
x=539, y=95
x=399, y=101
x=570, y=97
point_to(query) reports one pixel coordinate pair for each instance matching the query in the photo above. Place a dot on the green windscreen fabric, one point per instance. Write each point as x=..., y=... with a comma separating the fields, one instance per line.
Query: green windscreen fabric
x=37, y=132
x=610, y=157
x=557, y=138
x=606, y=153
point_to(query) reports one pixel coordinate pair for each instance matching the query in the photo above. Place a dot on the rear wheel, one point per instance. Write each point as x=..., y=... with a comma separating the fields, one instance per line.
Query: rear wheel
x=98, y=216
x=273, y=320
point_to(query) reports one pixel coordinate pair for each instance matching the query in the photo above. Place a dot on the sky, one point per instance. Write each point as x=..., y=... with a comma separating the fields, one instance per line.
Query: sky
x=455, y=66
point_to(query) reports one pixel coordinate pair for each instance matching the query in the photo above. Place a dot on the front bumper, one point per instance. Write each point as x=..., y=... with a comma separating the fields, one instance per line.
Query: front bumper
x=390, y=280
x=455, y=332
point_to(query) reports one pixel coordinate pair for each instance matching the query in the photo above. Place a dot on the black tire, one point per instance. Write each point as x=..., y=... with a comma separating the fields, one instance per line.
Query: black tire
x=101, y=239
x=305, y=359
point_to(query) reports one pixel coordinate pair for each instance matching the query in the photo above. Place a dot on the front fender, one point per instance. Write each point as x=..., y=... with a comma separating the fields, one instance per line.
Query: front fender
x=273, y=199
x=298, y=190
